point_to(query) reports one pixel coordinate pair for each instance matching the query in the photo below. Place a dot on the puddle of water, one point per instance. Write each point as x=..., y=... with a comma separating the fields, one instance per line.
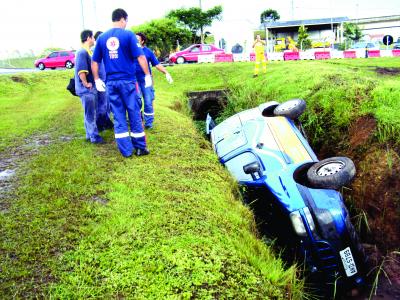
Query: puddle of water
x=4, y=175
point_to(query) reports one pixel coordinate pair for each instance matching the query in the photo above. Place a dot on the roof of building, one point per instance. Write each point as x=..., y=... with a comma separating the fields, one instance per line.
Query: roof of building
x=297, y=23
x=375, y=19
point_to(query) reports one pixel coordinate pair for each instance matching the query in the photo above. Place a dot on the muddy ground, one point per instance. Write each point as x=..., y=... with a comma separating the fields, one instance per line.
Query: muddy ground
x=374, y=202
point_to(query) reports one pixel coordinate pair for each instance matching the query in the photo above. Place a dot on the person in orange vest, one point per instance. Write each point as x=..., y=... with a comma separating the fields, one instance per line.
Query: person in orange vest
x=258, y=46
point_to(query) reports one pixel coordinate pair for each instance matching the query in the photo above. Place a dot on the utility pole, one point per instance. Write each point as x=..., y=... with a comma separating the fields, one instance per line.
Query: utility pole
x=292, y=10
x=83, y=17
x=95, y=14
x=201, y=29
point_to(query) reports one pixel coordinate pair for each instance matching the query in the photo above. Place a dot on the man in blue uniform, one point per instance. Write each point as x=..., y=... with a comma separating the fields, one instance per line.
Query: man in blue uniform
x=84, y=87
x=103, y=120
x=117, y=48
x=148, y=93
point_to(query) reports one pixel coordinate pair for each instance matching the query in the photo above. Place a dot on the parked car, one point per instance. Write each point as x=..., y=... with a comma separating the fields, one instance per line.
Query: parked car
x=192, y=53
x=266, y=150
x=396, y=46
x=366, y=45
x=64, y=58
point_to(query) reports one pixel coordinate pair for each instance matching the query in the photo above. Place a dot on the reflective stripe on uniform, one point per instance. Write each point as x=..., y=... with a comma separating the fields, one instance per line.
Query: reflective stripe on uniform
x=121, y=135
x=148, y=114
x=137, y=135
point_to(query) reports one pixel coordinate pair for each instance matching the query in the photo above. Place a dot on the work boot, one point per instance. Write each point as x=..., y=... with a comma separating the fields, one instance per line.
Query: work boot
x=97, y=140
x=141, y=152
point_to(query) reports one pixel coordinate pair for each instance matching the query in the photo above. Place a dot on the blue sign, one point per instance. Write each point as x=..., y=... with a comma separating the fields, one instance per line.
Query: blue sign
x=388, y=40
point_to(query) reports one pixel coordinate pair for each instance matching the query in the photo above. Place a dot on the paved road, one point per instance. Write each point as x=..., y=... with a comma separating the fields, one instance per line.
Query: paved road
x=12, y=71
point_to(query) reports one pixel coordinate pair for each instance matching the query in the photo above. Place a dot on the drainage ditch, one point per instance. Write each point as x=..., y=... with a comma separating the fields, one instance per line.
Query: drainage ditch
x=373, y=199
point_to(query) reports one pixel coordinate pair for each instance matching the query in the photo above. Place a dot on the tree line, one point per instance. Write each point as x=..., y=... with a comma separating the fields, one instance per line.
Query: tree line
x=184, y=26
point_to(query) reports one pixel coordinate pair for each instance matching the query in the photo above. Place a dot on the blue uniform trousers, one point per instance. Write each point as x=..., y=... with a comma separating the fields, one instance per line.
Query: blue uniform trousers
x=103, y=112
x=148, y=98
x=124, y=100
x=89, y=103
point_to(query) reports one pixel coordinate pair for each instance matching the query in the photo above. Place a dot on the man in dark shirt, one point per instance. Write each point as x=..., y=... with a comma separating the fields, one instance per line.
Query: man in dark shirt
x=148, y=92
x=117, y=48
x=84, y=86
x=103, y=106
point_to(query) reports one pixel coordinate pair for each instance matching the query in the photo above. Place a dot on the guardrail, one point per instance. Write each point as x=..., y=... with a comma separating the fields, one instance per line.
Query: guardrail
x=301, y=55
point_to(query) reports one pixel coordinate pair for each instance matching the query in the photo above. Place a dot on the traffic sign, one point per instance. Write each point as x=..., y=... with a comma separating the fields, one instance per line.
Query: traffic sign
x=388, y=40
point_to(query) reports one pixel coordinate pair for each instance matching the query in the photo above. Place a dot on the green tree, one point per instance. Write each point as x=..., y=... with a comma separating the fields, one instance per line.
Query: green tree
x=303, y=42
x=164, y=35
x=269, y=14
x=352, y=32
x=196, y=19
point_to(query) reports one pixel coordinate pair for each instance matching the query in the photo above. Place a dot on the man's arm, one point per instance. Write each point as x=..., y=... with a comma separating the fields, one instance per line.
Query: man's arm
x=82, y=76
x=143, y=64
x=100, y=85
x=95, y=69
x=161, y=68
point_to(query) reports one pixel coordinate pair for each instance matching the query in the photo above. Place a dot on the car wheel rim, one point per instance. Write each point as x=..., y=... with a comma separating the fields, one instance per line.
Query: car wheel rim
x=330, y=168
x=289, y=105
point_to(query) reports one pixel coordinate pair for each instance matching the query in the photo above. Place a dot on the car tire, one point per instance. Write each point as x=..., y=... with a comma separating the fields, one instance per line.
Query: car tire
x=69, y=64
x=331, y=173
x=291, y=109
x=41, y=66
x=180, y=60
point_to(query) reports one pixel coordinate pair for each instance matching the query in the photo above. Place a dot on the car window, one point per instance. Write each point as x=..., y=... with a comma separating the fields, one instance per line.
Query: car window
x=370, y=45
x=54, y=54
x=235, y=165
x=207, y=48
x=65, y=53
x=195, y=49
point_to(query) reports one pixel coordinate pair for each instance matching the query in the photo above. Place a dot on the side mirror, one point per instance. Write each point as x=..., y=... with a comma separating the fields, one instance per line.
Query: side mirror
x=253, y=168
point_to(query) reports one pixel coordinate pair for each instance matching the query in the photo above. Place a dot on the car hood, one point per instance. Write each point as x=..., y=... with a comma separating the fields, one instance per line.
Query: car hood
x=178, y=53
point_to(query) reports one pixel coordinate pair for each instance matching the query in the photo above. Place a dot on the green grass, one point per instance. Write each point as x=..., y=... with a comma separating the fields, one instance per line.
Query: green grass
x=172, y=226
x=24, y=62
x=86, y=223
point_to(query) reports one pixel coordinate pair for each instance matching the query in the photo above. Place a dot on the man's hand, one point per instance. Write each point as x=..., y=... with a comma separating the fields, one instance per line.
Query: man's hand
x=100, y=86
x=148, y=82
x=169, y=78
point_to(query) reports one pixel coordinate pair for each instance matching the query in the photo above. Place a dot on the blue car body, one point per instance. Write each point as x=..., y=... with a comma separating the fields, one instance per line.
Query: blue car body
x=328, y=242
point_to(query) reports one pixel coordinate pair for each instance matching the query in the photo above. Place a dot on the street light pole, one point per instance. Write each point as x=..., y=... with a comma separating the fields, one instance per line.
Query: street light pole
x=83, y=17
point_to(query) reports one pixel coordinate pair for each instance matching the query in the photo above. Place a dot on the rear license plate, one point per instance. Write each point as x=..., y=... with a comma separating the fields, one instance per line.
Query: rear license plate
x=348, y=262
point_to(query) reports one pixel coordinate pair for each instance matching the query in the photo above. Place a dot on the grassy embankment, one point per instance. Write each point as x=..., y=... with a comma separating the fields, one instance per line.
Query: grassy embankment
x=23, y=62
x=83, y=222
x=171, y=225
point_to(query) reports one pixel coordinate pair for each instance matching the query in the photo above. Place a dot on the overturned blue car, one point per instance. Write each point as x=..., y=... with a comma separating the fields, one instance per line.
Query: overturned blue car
x=266, y=150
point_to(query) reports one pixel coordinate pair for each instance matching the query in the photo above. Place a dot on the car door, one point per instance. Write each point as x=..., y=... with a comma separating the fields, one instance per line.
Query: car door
x=64, y=56
x=52, y=60
x=193, y=53
x=205, y=50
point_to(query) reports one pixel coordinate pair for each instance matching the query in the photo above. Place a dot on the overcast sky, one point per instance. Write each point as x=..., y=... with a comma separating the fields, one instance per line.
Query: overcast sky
x=28, y=24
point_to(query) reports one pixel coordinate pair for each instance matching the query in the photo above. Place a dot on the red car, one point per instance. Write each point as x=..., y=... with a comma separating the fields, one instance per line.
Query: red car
x=191, y=54
x=63, y=58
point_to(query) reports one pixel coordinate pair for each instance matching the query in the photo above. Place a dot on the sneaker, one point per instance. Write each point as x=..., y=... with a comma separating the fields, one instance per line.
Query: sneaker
x=141, y=152
x=149, y=127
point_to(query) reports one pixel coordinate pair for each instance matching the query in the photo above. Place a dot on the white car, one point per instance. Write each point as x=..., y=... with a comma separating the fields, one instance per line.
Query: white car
x=361, y=48
x=366, y=45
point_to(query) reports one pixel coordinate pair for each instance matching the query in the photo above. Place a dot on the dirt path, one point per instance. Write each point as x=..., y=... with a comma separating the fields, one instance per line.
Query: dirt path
x=12, y=159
